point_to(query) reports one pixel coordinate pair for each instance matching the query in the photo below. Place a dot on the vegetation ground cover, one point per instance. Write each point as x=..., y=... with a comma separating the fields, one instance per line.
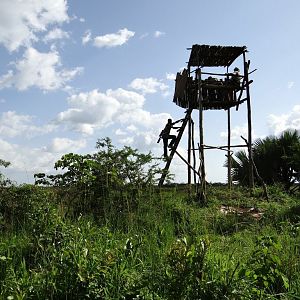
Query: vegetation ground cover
x=161, y=245
x=102, y=229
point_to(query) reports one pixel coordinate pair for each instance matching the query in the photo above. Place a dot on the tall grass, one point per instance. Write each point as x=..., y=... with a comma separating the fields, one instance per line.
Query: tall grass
x=151, y=244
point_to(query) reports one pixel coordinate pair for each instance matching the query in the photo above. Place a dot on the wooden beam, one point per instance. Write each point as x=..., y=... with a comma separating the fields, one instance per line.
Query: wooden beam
x=246, y=69
x=219, y=74
x=207, y=147
x=189, y=165
x=228, y=150
x=201, y=150
x=189, y=150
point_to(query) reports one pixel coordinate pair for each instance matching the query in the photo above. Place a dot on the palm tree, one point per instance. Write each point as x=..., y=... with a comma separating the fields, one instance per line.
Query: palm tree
x=240, y=168
x=289, y=144
x=277, y=160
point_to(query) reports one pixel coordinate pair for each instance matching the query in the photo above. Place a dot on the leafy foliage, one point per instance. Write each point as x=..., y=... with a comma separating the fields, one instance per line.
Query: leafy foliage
x=3, y=180
x=109, y=165
x=108, y=180
x=276, y=158
x=264, y=269
x=168, y=250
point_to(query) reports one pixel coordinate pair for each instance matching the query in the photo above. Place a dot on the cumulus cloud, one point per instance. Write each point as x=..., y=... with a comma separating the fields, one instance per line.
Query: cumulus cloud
x=291, y=120
x=95, y=110
x=236, y=132
x=56, y=34
x=65, y=145
x=158, y=33
x=86, y=37
x=144, y=35
x=120, y=132
x=39, y=69
x=37, y=159
x=89, y=111
x=148, y=85
x=170, y=76
x=113, y=39
x=290, y=84
x=20, y=21
x=13, y=124
x=24, y=158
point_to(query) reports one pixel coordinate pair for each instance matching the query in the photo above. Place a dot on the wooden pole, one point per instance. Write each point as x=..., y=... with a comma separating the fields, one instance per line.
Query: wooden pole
x=228, y=150
x=189, y=152
x=251, y=177
x=207, y=147
x=266, y=195
x=189, y=141
x=201, y=148
x=186, y=162
x=194, y=154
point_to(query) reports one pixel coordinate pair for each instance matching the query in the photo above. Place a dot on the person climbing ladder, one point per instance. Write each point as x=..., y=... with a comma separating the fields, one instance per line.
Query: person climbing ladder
x=166, y=136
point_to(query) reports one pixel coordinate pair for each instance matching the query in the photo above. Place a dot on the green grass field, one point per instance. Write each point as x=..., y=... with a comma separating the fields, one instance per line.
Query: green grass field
x=153, y=244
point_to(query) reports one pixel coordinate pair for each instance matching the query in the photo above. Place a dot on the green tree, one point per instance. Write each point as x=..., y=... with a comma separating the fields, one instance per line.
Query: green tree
x=3, y=180
x=109, y=178
x=119, y=167
x=277, y=160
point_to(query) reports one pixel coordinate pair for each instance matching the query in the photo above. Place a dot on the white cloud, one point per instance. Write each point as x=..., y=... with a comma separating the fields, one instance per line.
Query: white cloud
x=20, y=21
x=148, y=85
x=6, y=79
x=170, y=76
x=291, y=120
x=131, y=128
x=65, y=145
x=89, y=111
x=127, y=140
x=82, y=20
x=13, y=124
x=129, y=101
x=144, y=35
x=236, y=132
x=95, y=110
x=56, y=34
x=290, y=84
x=142, y=118
x=86, y=37
x=42, y=70
x=120, y=132
x=24, y=158
x=113, y=39
x=37, y=159
x=158, y=34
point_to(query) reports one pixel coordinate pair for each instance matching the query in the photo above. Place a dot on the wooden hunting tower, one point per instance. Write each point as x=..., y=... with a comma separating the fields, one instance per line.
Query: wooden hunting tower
x=198, y=89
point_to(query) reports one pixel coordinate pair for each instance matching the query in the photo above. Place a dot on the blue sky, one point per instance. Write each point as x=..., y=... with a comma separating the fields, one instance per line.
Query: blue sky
x=75, y=71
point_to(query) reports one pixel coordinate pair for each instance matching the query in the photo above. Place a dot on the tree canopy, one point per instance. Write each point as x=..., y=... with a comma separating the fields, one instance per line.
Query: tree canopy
x=277, y=160
x=120, y=167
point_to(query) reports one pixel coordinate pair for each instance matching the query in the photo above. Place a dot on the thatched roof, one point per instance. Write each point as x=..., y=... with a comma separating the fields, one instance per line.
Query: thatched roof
x=214, y=56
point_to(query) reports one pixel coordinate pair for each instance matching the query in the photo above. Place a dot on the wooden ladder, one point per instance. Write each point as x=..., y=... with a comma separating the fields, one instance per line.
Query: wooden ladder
x=176, y=143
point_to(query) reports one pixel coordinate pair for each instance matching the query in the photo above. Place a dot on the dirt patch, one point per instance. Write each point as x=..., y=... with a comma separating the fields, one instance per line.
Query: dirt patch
x=252, y=211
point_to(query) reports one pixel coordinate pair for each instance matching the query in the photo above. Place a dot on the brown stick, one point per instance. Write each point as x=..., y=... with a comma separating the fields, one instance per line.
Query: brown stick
x=201, y=150
x=246, y=68
x=251, y=161
x=207, y=147
x=189, y=165
x=228, y=150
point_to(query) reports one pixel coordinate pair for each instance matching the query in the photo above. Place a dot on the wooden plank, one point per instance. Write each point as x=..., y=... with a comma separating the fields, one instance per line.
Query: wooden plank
x=246, y=68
